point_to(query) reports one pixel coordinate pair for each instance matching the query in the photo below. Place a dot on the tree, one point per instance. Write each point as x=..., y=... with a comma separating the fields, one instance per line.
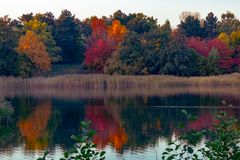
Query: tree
x=224, y=38
x=68, y=38
x=32, y=46
x=120, y=16
x=209, y=63
x=228, y=23
x=164, y=33
x=138, y=53
x=186, y=14
x=97, y=54
x=44, y=32
x=202, y=47
x=210, y=26
x=227, y=58
x=47, y=17
x=8, y=43
x=213, y=66
x=102, y=42
x=198, y=45
x=141, y=23
x=130, y=56
x=178, y=59
x=235, y=38
x=26, y=17
x=116, y=31
x=191, y=27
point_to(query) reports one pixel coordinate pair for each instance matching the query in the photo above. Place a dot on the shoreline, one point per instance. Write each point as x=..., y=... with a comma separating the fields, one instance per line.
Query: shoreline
x=99, y=81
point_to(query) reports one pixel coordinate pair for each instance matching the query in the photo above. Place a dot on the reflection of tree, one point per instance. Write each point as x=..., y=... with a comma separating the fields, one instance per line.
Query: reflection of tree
x=107, y=125
x=145, y=125
x=205, y=119
x=34, y=128
x=8, y=131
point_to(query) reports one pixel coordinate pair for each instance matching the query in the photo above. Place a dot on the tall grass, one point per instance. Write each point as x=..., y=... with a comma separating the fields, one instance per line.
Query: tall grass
x=98, y=81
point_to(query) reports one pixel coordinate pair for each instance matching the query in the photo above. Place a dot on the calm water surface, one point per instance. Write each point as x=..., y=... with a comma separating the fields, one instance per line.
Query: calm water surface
x=130, y=124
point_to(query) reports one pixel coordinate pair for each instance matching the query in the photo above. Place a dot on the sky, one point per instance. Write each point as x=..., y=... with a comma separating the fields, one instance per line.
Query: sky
x=160, y=9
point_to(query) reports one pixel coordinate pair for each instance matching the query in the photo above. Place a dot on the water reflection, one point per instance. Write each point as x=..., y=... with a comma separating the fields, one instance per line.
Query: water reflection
x=107, y=123
x=34, y=128
x=127, y=125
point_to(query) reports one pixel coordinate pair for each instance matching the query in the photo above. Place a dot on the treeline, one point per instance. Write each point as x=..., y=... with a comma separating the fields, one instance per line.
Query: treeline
x=132, y=44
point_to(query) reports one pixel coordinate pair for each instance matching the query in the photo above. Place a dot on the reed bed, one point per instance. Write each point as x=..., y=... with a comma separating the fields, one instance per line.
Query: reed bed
x=99, y=81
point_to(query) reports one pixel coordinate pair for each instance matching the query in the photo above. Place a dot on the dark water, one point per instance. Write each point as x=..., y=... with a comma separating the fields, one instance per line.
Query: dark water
x=129, y=124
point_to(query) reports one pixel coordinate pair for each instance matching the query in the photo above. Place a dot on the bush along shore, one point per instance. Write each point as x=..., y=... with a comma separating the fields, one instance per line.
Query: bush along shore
x=99, y=81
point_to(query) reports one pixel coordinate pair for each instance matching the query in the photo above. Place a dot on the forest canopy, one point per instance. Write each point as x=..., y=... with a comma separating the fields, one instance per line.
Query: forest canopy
x=127, y=44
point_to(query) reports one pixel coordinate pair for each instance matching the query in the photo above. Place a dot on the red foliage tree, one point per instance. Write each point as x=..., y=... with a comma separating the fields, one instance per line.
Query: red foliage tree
x=97, y=54
x=200, y=46
x=102, y=42
x=224, y=52
x=226, y=55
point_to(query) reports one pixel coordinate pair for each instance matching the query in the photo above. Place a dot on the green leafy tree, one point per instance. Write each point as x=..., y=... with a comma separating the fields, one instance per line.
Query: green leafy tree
x=141, y=23
x=122, y=17
x=191, y=27
x=26, y=17
x=47, y=17
x=130, y=57
x=8, y=42
x=210, y=26
x=68, y=37
x=138, y=53
x=179, y=60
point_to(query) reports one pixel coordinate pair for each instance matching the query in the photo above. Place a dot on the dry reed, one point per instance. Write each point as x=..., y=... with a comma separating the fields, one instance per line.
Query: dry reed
x=98, y=81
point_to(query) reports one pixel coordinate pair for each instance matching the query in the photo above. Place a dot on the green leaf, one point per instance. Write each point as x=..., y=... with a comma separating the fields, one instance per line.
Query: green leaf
x=85, y=124
x=190, y=150
x=76, y=138
x=180, y=125
x=45, y=154
x=102, y=153
x=164, y=153
x=83, y=139
x=184, y=112
x=66, y=154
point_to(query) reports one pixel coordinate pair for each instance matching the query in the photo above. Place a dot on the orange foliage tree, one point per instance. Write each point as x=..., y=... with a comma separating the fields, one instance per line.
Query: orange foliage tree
x=103, y=41
x=31, y=45
x=117, y=31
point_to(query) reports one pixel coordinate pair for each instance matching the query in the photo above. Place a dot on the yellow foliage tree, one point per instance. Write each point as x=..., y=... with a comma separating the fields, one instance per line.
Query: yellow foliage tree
x=35, y=25
x=224, y=37
x=235, y=38
x=31, y=45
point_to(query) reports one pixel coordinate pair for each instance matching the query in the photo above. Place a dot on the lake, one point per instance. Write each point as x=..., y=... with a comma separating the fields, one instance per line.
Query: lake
x=129, y=124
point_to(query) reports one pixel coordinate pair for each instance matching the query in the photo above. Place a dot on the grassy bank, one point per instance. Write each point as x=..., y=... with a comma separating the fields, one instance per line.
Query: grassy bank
x=98, y=81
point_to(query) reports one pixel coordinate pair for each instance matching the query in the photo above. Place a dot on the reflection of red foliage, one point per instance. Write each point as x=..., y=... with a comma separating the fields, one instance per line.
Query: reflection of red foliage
x=107, y=127
x=204, y=121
